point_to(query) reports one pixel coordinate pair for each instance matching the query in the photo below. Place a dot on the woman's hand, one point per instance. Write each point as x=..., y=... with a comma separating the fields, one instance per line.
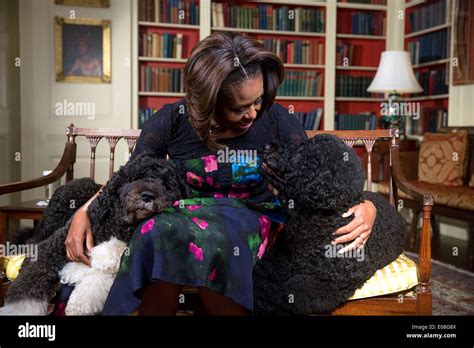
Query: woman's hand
x=359, y=229
x=79, y=231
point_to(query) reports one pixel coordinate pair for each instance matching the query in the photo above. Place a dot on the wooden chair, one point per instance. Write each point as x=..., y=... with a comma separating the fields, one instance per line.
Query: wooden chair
x=418, y=304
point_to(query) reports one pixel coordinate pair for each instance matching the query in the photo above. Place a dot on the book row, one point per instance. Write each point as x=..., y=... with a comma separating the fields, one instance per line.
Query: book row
x=344, y=52
x=353, y=86
x=295, y=51
x=433, y=81
x=156, y=79
x=267, y=17
x=427, y=16
x=429, y=47
x=362, y=121
x=161, y=45
x=430, y=121
x=144, y=115
x=310, y=120
x=302, y=83
x=365, y=23
x=169, y=11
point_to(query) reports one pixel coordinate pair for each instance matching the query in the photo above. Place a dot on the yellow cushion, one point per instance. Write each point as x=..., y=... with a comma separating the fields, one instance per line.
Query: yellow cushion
x=397, y=276
x=12, y=265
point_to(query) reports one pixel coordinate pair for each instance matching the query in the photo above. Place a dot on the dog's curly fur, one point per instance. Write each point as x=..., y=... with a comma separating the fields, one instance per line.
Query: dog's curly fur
x=318, y=181
x=139, y=189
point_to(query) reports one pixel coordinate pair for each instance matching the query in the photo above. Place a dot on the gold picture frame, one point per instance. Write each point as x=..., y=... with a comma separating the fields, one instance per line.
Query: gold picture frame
x=82, y=50
x=88, y=3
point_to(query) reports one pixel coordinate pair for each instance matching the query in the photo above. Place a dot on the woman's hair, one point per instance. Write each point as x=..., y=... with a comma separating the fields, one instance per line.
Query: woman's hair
x=219, y=61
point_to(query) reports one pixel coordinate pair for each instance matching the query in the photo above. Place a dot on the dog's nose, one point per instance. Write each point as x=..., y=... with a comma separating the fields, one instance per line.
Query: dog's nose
x=147, y=196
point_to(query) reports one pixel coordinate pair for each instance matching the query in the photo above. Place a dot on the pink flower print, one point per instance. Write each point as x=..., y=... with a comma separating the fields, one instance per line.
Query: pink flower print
x=212, y=276
x=261, y=249
x=147, y=226
x=265, y=225
x=193, y=207
x=239, y=194
x=218, y=195
x=209, y=180
x=194, y=179
x=201, y=223
x=197, y=251
x=210, y=163
x=176, y=203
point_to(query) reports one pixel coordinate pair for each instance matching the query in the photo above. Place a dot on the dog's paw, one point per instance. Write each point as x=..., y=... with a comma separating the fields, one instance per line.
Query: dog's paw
x=73, y=272
x=25, y=307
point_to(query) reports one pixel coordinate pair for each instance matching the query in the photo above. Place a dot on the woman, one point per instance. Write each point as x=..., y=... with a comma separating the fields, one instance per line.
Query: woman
x=212, y=241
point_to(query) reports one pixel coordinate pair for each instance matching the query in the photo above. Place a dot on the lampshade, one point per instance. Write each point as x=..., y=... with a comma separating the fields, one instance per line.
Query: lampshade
x=395, y=74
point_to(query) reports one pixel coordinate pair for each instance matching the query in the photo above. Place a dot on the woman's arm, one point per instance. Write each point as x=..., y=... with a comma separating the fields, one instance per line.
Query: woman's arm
x=154, y=138
x=79, y=231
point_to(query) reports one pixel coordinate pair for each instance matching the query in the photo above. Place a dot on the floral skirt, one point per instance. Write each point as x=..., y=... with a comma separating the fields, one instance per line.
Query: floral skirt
x=201, y=242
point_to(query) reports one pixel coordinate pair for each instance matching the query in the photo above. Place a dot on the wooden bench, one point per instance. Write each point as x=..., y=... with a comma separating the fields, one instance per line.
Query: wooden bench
x=419, y=304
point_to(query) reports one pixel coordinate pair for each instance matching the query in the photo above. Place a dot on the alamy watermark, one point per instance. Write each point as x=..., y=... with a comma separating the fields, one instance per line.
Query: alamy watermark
x=29, y=250
x=227, y=155
x=80, y=109
x=395, y=108
x=332, y=251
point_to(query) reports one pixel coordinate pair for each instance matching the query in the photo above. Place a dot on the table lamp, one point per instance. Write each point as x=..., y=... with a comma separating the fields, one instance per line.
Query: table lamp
x=394, y=76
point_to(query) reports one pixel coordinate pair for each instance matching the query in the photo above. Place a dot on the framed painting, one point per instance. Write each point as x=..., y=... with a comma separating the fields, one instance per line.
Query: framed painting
x=89, y=3
x=463, y=69
x=82, y=50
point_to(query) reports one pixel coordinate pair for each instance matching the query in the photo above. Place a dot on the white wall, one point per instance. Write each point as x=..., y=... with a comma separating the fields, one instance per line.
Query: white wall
x=9, y=96
x=43, y=133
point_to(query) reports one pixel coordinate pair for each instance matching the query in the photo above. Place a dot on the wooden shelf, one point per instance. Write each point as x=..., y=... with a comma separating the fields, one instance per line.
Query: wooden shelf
x=356, y=67
x=427, y=97
x=271, y=32
x=357, y=99
x=362, y=6
x=321, y=3
x=168, y=25
x=160, y=94
x=312, y=66
x=414, y=3
x=364, y=37
x=434, y=62
x=162, y=59
x=284, y=97
x=426, y=31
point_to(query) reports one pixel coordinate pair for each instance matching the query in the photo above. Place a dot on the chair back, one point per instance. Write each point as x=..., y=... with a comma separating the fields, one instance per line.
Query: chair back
x=93, y=136
x=113, y=136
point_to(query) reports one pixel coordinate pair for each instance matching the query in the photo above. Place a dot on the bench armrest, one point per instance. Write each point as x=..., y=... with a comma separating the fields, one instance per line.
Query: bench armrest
x=67, y=159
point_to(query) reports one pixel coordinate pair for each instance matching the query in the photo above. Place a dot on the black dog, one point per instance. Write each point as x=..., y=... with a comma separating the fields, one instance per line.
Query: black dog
x=302, y=273
x=140, y=189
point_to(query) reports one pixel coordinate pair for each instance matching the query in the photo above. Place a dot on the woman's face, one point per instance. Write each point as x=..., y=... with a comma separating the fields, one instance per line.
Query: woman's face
x=238, y=110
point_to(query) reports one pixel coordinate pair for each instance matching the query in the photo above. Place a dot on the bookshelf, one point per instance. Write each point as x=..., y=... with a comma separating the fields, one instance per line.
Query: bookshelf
x=427, y=38
x=323, y=41
x=165, y=33
x=299, y=41
x=360, y=39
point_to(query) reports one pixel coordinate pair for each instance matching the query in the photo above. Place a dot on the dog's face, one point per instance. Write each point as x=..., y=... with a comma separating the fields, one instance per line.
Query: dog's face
x=320, y=174
x=143, y=187
x=142, y=198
